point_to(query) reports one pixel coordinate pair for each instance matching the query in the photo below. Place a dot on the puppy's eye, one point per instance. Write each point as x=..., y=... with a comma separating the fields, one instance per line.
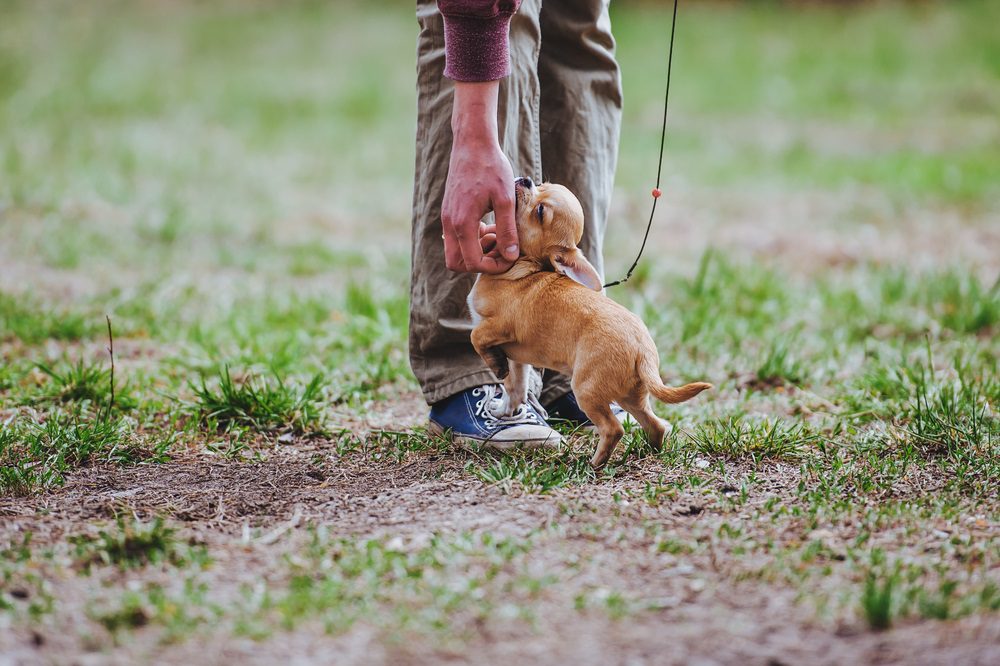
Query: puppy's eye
x=540, y=212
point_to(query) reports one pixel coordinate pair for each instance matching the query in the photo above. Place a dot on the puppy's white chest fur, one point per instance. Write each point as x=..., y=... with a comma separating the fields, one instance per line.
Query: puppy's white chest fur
x=471, y=302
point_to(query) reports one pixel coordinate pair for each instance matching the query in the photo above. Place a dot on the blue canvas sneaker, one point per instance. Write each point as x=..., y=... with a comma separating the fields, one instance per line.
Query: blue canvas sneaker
x=473, y=417
x=567, y=409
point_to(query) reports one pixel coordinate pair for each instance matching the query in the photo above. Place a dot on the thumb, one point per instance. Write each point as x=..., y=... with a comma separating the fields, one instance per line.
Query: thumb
x=506, y=228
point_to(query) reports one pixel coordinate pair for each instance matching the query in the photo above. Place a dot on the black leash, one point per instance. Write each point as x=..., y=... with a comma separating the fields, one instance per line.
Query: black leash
x=659, y=169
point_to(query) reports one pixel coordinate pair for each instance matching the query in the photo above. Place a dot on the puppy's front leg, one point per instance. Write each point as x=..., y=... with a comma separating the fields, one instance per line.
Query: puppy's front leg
x=486, y=341
x=515, y=388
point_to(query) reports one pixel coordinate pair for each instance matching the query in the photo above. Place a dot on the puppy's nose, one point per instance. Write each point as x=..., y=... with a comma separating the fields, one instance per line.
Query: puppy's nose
x=524, y=182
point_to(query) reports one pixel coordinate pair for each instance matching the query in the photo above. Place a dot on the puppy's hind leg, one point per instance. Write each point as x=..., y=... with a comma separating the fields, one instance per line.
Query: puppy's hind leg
x=515, y=386
x=609, y=428
x=654, y=427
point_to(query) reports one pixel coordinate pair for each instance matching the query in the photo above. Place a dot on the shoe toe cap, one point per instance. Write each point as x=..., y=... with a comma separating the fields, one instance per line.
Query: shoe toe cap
x=527, y=434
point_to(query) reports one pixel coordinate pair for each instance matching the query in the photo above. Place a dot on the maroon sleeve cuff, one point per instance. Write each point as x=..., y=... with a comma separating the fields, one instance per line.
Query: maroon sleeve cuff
x=476, y=49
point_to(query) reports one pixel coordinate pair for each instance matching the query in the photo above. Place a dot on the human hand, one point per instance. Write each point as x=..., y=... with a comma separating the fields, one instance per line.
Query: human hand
x=480, y=179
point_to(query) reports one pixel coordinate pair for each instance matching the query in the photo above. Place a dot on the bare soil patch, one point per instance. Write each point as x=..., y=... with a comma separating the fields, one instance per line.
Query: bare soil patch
x=701, y=607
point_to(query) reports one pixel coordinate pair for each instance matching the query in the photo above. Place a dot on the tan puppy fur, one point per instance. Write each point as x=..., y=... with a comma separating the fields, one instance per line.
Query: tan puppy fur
x=549, y=311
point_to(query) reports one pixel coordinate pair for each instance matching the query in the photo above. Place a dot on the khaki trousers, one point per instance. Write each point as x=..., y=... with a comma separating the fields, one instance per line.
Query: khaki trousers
x=559, y=115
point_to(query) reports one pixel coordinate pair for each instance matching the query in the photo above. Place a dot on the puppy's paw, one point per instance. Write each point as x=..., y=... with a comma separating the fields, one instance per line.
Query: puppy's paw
x=504, y=405
x=507, y=406
x=599, y=460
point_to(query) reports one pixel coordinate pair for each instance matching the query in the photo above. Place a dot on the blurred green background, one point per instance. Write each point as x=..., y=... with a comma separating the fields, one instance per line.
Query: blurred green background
x=189, y=131
x=227, y=174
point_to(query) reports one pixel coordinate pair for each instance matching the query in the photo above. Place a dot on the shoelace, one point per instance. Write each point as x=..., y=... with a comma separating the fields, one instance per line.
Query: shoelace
x=490, y=397
x=534, y=391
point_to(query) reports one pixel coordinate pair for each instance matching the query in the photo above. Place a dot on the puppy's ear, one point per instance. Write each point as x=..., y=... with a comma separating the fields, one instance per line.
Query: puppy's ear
x=574, y=265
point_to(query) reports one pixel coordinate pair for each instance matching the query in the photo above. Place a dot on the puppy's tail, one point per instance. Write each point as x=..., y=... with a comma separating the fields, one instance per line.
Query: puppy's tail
x=668, y=394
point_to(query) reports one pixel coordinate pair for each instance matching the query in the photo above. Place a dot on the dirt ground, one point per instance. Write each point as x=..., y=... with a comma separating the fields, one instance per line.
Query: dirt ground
x=705, y=607
x=704, y=613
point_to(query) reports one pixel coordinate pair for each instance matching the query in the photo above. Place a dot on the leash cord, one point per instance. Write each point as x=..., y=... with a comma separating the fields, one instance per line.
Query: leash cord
x=659, y=168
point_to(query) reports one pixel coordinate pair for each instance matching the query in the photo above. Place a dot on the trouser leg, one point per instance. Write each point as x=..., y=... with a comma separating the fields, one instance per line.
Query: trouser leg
x=441, y=354
x=580, y=118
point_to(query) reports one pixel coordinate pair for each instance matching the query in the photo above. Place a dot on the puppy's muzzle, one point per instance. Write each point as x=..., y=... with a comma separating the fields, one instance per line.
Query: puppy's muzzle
x=523, y=187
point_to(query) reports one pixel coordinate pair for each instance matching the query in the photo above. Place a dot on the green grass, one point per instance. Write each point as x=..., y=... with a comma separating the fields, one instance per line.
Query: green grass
x=899, y=592
x=134, y=544
x=180, y=614
x=739, y=437
x=24, y=588
x=37, y=455
x=533, y=473
x=259, y=403
x=326, y=581
x=779, y=366
x=88, y=385
x=952, y=412
x=876, y=601
x=21, y=319
x=340, y=582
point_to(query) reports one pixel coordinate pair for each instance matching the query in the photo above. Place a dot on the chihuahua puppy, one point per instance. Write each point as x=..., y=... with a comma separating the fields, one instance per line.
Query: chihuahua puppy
x=549, y=311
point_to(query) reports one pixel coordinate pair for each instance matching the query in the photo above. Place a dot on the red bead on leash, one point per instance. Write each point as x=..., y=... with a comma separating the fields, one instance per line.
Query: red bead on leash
x=656, y=193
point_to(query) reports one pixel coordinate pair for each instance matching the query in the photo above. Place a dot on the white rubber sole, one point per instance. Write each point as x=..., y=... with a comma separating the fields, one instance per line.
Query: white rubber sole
x=516, y=437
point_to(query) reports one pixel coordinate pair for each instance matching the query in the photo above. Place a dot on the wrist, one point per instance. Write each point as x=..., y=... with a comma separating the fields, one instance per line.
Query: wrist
x=474, y=113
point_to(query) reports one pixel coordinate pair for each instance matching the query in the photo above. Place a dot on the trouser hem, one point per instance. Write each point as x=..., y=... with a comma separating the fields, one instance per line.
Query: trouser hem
x=551, y=393
x=437, y=392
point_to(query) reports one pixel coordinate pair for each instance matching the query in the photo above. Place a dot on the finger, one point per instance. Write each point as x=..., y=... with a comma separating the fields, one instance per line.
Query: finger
x=452, y=252
x=488, y=242
x=506, y=228
x=468, y=242
x=473, y=257
x=492, y=264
